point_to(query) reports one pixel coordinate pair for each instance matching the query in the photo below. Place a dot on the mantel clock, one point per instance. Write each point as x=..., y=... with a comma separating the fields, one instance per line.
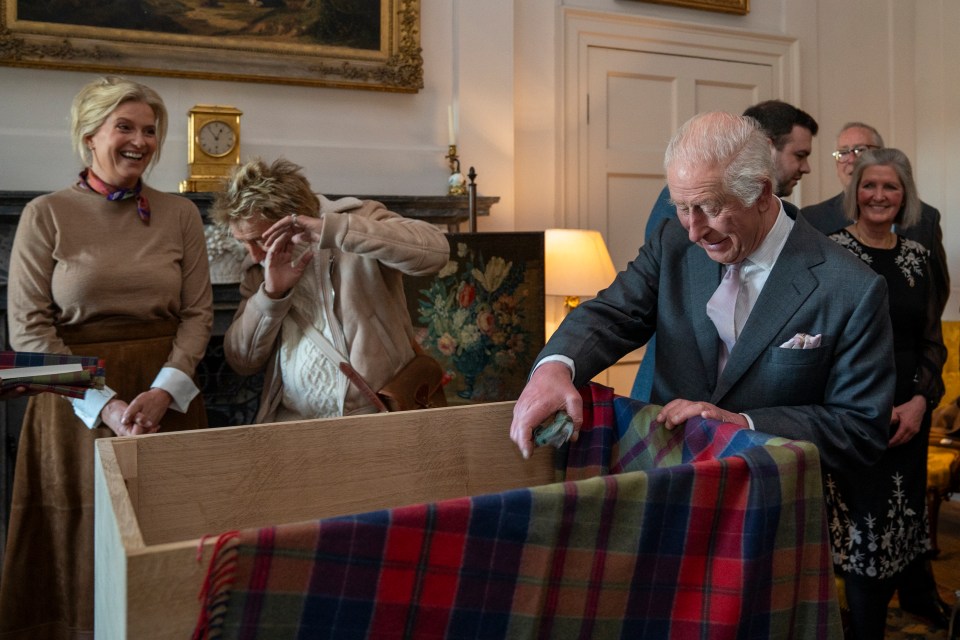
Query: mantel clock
x=213, y=146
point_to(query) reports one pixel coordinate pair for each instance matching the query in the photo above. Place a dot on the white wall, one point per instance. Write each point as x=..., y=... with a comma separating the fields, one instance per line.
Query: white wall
x=539, y=89
x=886, y=62
x=937, y=88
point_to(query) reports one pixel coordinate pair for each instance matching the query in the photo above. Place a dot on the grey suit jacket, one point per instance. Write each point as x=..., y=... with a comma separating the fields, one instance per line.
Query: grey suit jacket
x=828, y=217
x=838, y=396
x=664, y=210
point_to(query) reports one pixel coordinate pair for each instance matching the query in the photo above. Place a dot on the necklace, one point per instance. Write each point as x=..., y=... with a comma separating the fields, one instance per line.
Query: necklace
x=889, y=241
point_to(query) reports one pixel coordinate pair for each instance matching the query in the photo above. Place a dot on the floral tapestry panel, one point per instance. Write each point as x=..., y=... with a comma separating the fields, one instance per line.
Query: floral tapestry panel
x=482, y=315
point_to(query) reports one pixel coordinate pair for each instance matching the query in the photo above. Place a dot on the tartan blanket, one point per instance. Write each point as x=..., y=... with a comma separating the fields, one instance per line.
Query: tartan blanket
x=709, y=531
x=73, y=385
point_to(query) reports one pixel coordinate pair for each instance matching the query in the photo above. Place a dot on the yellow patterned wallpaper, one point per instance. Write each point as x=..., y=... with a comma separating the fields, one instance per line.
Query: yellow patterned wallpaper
x=951, y=370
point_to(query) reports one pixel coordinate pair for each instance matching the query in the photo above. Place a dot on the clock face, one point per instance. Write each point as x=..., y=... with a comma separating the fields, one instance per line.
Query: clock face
x=216, y=138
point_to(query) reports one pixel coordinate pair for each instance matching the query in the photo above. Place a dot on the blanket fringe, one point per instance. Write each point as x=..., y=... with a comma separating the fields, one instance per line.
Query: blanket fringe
x=216, y=585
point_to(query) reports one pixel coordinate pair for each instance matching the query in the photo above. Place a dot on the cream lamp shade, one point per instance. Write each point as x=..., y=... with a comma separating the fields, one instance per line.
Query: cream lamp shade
x=577, y=263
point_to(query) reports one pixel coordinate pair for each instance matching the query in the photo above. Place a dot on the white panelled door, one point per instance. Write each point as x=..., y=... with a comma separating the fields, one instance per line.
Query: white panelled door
x=636, y=100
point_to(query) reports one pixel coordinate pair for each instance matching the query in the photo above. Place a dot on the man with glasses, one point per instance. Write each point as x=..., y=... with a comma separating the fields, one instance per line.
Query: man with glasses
x=855, y=138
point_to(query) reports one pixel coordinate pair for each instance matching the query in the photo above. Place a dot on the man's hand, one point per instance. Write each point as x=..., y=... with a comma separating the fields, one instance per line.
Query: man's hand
x=548, y=390
x=677, y=412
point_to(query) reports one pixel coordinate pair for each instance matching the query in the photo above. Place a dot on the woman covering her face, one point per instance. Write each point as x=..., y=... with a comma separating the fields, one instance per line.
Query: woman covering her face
x=112, y=268
x=884, y=539
x=320, y=272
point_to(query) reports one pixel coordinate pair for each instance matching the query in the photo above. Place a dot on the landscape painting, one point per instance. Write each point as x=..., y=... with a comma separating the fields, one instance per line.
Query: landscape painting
x=372, y=44
x=741, y=7
x=347, y=23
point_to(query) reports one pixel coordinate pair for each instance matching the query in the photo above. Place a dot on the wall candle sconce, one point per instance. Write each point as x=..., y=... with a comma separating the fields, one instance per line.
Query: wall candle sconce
x=456, y=183
x=576, y=263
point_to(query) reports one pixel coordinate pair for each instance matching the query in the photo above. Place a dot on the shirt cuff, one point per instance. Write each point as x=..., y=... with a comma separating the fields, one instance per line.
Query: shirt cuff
x=559, y=358
x=88, y=407
x=749, y=422
x=179, y=385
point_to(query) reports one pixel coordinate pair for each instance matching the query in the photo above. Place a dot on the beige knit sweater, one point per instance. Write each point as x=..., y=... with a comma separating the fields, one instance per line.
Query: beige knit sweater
x=78, y=258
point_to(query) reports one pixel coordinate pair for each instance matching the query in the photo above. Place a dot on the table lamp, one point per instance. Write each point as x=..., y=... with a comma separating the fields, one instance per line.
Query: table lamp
x=577, y=263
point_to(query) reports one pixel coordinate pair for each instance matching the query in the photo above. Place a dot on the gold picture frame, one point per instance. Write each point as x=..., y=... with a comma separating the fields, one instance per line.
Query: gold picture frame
x=741, y=7
x=354, y=44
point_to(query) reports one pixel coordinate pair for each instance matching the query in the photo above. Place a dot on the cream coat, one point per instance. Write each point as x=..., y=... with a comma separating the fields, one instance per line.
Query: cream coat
x=363, y=254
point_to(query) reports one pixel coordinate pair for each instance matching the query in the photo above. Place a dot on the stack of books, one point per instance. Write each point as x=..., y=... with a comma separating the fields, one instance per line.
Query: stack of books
x=67, y=375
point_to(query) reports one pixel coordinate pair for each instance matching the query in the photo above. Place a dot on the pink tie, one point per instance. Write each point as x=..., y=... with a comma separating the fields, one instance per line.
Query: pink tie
x=721, y=308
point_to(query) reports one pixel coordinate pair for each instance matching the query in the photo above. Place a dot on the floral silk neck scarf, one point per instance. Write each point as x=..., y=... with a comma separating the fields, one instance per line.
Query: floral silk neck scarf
x=89, y=180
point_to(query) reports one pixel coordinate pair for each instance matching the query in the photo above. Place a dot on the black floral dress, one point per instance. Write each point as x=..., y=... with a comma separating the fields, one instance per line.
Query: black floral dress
x=879, y=525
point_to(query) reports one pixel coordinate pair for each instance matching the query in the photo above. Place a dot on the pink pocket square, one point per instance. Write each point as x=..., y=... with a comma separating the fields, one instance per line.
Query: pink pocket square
x=802, y=341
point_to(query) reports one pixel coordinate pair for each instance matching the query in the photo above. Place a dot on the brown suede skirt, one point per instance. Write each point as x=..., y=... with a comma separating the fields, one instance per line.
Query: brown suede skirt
x=47, y=586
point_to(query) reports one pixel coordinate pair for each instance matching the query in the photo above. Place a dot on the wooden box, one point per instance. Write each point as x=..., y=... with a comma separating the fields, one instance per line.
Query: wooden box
x=157, y=496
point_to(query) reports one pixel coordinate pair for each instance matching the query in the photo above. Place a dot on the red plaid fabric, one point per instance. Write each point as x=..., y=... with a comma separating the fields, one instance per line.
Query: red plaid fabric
x=73, y=385
x=708, y=531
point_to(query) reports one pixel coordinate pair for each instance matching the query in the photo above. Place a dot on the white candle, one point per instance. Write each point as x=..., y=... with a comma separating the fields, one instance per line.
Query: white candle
x=450, y=127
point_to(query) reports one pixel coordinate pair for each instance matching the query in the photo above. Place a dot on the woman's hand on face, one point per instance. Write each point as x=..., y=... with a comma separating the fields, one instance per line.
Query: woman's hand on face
x=284, y=264
x=301, y=229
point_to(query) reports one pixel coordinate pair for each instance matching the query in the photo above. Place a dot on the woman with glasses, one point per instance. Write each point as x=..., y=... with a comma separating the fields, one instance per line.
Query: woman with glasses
x=882, y=541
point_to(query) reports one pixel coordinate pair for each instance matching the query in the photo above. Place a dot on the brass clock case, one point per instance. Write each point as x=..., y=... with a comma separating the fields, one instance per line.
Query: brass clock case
x=213, y=146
